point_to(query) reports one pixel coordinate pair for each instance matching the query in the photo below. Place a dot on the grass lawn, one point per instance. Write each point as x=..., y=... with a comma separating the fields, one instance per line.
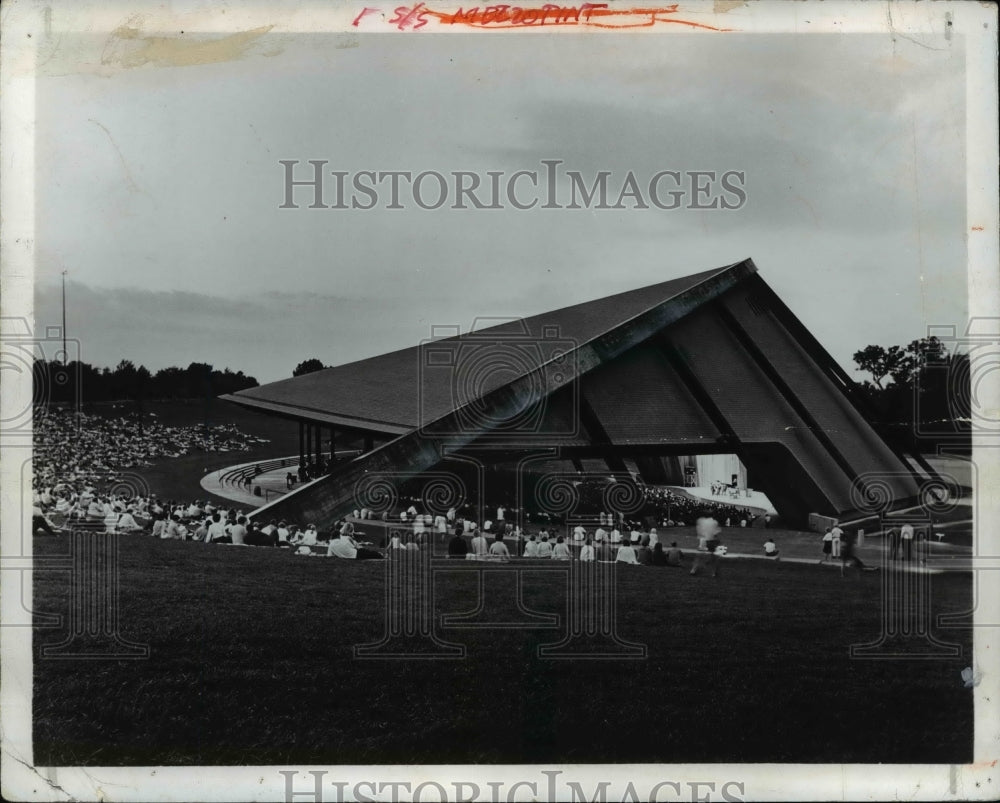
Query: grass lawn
x=252, y=663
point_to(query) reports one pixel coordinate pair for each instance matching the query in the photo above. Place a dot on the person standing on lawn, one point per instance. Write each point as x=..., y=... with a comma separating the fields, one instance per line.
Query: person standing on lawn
x=892, y=538
x=906, y=535
x=827, y=546
x=714, y=552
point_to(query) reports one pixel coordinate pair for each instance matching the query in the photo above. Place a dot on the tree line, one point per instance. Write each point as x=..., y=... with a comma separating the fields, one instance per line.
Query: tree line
x=920, y=388
x=58, y=383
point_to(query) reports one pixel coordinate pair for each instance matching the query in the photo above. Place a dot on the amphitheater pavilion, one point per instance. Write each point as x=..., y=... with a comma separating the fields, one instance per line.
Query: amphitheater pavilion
x=713, y=363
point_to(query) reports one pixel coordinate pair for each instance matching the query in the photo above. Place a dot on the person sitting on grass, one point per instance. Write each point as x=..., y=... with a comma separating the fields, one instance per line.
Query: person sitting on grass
x=644, y=555
x=238, y=532
x=479, y=546
x=111, y=516
x=531, y=548
x=771, y=549
x=626, y=554
x=561, y=550
x=674, y=556
x=282, y=534
x=498, y=549
x=95, y=510
x=544, y=547
x=171, y=528
x=347, y=548
x=258, y=537
x=411, y=543
x=294, y=535
x=128, y=524
x=310, y=536
x=217, y=533
x=587, y=553
x=40, y=522
x=253, y=536
x=201, y=531
x=658, y=557
x=457, y=548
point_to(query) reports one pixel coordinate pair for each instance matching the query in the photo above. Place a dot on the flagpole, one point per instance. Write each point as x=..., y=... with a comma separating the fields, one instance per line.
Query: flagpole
x=65, y=353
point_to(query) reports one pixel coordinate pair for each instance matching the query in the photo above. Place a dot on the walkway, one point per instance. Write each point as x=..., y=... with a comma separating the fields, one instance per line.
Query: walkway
x=229, y=482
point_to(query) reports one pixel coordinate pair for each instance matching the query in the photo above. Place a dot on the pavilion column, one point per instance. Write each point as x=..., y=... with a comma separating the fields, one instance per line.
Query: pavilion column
x=302, y=442
x=318, y=441
x=333, y=444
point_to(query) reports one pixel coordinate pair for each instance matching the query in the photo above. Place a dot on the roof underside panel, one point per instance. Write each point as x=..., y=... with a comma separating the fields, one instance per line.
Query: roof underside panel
x=639, y=399
x=753, y=406
x=416, y=385
x=832, y=411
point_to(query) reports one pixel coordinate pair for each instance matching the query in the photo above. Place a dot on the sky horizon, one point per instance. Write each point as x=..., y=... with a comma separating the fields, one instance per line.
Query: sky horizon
x=159, y=187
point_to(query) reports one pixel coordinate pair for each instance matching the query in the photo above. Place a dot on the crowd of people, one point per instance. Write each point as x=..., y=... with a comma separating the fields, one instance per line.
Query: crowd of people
x=71, y=448
x=496, y=539
x=672, y=509
x=67, y=507
x=85, y=469
x=79, y=460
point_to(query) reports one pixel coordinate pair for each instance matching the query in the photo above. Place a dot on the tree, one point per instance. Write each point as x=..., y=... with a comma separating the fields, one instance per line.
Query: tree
x=903, y=365
x=882, y=362
x=308, y=367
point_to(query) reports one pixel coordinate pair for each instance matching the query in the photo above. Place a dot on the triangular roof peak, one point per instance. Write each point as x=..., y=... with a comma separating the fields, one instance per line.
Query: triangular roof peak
x=397, y=391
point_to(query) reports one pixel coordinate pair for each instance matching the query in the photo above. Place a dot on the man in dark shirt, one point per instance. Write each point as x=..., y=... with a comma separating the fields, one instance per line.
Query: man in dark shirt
x=457, y=548
x=674, y=555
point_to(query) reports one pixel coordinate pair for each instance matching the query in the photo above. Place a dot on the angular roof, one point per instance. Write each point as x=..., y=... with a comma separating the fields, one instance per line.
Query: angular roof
x=396, y=392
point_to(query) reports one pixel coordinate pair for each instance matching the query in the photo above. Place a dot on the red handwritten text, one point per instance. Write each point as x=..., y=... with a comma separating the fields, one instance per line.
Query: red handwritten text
x=590, y=14
x=364, y=11
x=413, y=17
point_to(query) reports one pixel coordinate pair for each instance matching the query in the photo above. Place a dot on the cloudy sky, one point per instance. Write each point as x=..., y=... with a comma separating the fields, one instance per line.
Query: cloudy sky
x=158, y=186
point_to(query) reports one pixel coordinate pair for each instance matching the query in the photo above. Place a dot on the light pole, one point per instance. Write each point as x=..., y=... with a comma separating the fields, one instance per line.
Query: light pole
x=65, y=353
